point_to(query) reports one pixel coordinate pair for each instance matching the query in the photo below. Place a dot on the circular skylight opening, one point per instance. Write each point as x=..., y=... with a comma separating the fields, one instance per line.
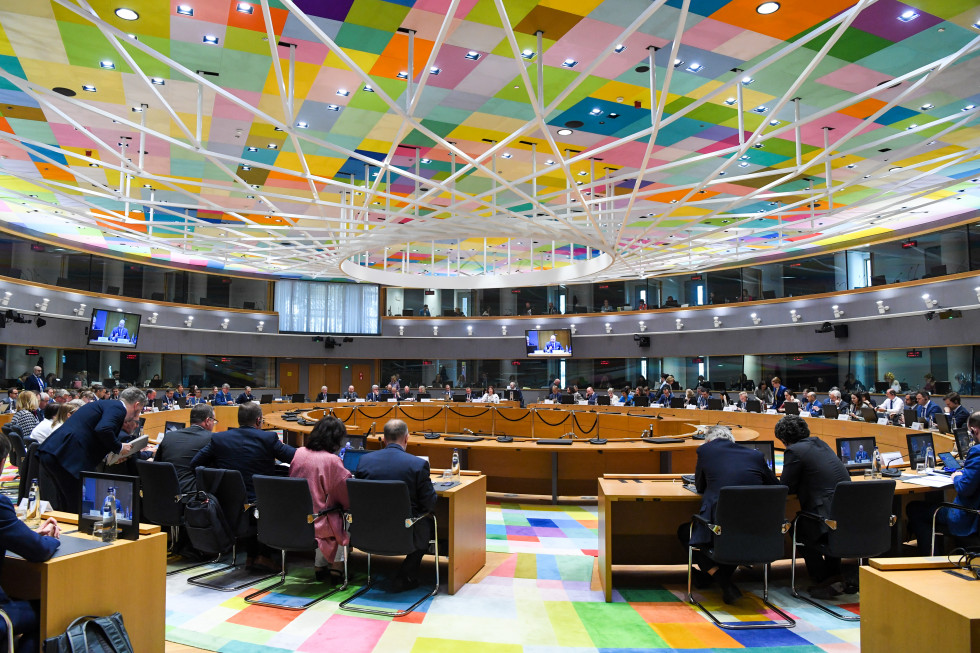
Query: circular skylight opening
x=126, y=14
x=767, y=8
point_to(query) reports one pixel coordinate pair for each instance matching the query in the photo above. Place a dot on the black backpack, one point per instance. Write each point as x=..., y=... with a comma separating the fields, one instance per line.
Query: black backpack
x=205, y=521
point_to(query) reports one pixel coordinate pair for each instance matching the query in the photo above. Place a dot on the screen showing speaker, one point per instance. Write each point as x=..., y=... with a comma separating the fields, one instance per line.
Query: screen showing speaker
x=549, y=343
x=113, y=328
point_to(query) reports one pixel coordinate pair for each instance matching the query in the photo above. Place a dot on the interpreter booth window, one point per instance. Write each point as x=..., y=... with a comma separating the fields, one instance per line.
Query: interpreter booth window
x=322, y=307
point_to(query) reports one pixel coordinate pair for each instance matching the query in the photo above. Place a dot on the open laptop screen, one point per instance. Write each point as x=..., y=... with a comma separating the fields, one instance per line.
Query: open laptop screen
x=856, y=452
x=768, y=450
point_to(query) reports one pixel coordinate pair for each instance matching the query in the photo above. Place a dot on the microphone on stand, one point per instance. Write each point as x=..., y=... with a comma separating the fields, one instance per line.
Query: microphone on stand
x=468, y=431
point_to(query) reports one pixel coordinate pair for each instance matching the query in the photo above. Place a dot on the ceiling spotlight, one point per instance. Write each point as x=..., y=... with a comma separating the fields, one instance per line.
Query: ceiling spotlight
x=747, y=80
x=550, y=162
x=272, y=146
x=882, y=309
x=678, y=324
x=608, y=327
x=908, y=16
x=224, y=323
x=435, y=70
x=244, y=8
x=730, y=101
x=158, y=81
x=695, y=68
x=402, y=75
x=401, y=330
x=643, y=326
x=343, y=92
x=619, y=48
x=506, y=155
x=107, y=65
x=302, y=125
x=837, y=311
x=756, y=319
x=42, y=305
x=189, y=321
x=926, y=106
x=333, y=107
x=79, y=310
x=503, y=329
x=6, y=298
x=767, y=8
x=564, y=132
x=528, y=54
x=368, y=88
x=472, y=55
x=126, y=14
x=210, y=39
x=796, y=317
x=435, y=329
x=760, y=109
x=153, y=318
x=260, y=327
x=424, y=161
x=185, y=10
x=88, y=87
x=569, y=63
x=251, y=148
x=930, y=303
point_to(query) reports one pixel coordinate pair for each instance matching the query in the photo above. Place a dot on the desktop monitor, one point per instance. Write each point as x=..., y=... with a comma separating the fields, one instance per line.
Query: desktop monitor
x=766, y=448
x=715, y=404
x=917, y=444
x=882, y=386
x=869, y=414
x=830, y=411
x=113, y=328
x=512, y=395
x=549, y=343
x=856, y=452
x=602, y=400
x=408, y=312
x=566, y=399
x=753, y=406
x=942, y=388
x=641, y=402
x=909, y=415
x=298, y=398
x=173, y=426
x=678, y=402
x=459, y=398
x=265, y=399
x=356, y=442
x=423, y=395
x=791, y=408
x=942, y=423
x=95, y=488
x=718, y=385
x=964, y=440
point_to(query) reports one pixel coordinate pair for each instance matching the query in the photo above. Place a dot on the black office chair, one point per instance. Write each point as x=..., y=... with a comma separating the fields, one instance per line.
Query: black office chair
x=750, y=522
x=29, y=470
x=286, y=520
x=18, y=448
x=380, y=522
x=228, y=488
x=968, y=541
x=859, y=526
x=163, y=504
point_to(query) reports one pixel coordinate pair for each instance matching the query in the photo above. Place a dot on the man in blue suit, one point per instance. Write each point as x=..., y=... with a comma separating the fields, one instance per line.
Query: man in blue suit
x=374, y=395
x=245, y=397
x=954, y=522
x=925, y=409
x=81, y=443
x=778, y=393
x=721, y=463
x=35, y=382
x=33, y=546
x=552, y=345
x=394, y=463
x=120, y=332
x=812, y=405
x=224, y=397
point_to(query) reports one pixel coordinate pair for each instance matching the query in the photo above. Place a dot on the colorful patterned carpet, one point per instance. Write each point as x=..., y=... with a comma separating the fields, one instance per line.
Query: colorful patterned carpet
x=537, y=594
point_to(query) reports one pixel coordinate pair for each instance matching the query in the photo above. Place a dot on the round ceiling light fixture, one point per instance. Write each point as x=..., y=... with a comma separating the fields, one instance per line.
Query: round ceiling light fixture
x=767, y=8
x=126, y=14
x=564, y=132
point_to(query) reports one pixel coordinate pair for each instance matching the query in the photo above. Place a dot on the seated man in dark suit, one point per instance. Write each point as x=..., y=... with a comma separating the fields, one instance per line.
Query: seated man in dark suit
x=394, y=463
x=33, y=546
x=83, y=441
x=170, y=400
x=812, y=470
x=958, y=415
x=245, y=397
x=250, y=450
x=667, y=395
x=351, y=394
x=721, y=463
x=954, y=522
x=374, y=395
x=323, y=396
x=224, y=397
x=179, y=447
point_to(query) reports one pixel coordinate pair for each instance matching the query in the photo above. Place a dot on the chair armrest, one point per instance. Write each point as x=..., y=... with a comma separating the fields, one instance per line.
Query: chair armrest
x=714, y=528
x=956, y=506
x=830, y=523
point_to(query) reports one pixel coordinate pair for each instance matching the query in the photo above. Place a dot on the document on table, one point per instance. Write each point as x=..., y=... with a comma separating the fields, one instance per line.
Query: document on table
x=929, y=480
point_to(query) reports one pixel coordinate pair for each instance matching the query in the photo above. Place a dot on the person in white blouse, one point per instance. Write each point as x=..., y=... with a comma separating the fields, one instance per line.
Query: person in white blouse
x=489, y=397
x=893, y=406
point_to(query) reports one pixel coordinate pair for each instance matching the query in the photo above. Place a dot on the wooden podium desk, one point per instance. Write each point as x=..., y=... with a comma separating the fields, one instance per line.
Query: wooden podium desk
x=919, y=610
x=639, y=516
x=127, y=577
x=462, y=516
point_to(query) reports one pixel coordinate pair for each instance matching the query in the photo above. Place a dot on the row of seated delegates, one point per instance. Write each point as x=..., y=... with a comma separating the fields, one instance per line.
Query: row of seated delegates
x=811, y=470
x=425, y=312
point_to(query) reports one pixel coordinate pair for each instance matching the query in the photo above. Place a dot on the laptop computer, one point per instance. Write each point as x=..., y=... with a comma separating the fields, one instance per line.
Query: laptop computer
x=869, y=414
x=753, y=406
x=909, y=415
x=917, y=444
x=767, y=449
x=791, y=408
x=566, y=399
x=602, y=400
x=715, y=404
x=830, y=411
x=352, y=457
x=298, y=398
x=677, y=402
x=265, y=399
x=856, y=453
x=459, y=398
x=173, y=426
x=942, y=423
x=641, y=402
x=964, y=440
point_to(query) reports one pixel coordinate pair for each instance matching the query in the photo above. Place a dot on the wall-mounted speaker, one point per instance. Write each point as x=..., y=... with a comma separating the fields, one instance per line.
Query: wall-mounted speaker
x=840, y=330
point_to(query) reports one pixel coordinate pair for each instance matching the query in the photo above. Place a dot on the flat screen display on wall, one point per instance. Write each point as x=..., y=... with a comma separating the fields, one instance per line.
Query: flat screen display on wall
x=549, y=343
x=113, y=328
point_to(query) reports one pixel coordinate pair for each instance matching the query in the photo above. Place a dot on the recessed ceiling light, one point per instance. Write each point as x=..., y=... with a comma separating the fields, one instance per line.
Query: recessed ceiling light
x=246, y=168
x=93, y=165
x=277, y=129
x=343, y=92
x=925, y=107
x=252, y=149
x=472, y=55
x=210, y=39
x=582, y=173
x=678, y=62
x=912, y=126
x=126, y=14
x=969, y=107
x=88, y=87
x=506, y=155
x=527, y=53
x=250, y=197
x=569, y=63
x=302, y=125
x=852, y=165
x=695, y=68
x=747, y=80
x=893, y=169
x=107, y=65
x=596, y=112
x=767, y=8
x=564, y=132
x=402, y=75
x=730, y=101
x=435, y=70
x=245, y=8
x=743, y=164
x=333, y=107
x=579, y=183
x=619, y=48
x=272, y=146
x=367, y=88
x=425, y=161
x=773, y=122
x=185, y=10
x=908, y=16
x=613, y=115
x=549, y=162
x=157, y=81
x=136, y=110
x=761, y=109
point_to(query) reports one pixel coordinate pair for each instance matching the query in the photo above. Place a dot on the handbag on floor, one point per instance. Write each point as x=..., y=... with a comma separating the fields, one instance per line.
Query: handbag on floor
x=92, y=635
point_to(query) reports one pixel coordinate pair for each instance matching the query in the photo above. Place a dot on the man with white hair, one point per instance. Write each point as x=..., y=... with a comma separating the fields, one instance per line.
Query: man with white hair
x=374, y=395
x=836, y=401
x=721, y=463
x=324, y=394
x=61, y=396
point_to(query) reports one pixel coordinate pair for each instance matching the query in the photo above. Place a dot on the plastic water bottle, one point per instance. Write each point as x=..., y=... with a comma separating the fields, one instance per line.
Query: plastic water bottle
x=455, y=467
x=930, y=459
x=876, y=464
x=109, y=516
x=33, y=517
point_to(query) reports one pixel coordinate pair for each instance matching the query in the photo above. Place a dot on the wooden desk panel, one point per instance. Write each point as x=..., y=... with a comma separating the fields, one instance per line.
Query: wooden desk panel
x=462, y=516
x=516, y=422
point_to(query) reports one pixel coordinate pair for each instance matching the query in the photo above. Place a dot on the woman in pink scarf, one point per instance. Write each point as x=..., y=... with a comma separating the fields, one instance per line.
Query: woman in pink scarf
x=319, y=464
